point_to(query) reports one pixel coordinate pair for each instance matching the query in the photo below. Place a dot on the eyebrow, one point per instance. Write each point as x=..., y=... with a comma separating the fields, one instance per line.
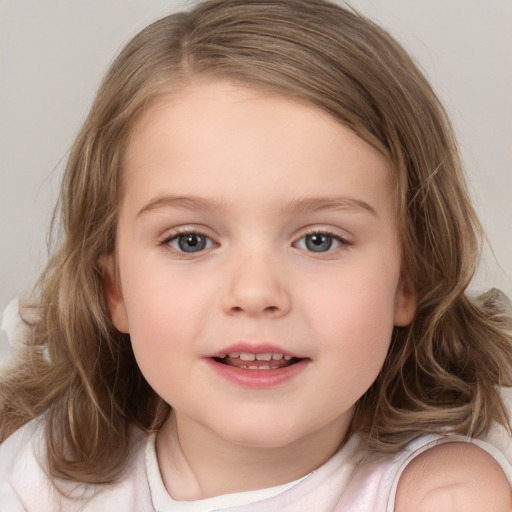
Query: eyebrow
x=182, y=202
x=318, y=204
x=296, y=206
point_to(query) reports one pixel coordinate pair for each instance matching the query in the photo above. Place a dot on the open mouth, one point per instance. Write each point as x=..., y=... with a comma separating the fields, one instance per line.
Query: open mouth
x=257, y=367
x=263, y=361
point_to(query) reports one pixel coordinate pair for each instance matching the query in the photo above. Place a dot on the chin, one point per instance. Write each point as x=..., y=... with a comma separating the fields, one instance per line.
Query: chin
x=259, y=434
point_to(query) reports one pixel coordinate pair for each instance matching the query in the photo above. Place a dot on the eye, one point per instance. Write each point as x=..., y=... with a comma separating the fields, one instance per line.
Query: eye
x=320, y=242
x=190, y=242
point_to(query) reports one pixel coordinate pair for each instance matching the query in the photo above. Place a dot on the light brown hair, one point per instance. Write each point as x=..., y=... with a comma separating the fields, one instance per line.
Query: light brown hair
x=442, y=371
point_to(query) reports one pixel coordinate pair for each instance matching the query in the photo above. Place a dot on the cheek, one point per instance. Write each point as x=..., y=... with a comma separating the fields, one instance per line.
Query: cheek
x=354, y=302
x=165, y=312
x=353, y=318
x=160, y=333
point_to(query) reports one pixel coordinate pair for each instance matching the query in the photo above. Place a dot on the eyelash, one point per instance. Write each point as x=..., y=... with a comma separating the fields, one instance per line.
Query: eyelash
x=180, y=233
x=176, y=234
x=342, y=241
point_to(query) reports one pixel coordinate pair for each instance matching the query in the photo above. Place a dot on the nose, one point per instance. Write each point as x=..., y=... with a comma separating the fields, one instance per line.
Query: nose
x=256, y=287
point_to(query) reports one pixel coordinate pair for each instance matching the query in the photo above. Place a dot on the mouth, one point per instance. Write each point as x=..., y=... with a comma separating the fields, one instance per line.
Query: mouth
x=257, y=366
x=260, y=361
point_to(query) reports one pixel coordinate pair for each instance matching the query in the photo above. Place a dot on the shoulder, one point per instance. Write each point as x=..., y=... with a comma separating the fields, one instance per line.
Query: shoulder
x=21, y=446
x=454, y=477
x=22, y=471
x=26, y=484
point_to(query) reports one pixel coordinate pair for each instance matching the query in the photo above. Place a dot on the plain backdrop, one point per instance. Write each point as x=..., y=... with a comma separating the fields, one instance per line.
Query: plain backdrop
x=53, y=54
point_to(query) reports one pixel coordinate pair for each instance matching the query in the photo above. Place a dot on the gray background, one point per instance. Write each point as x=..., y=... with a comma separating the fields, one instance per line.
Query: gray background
x=54, y=52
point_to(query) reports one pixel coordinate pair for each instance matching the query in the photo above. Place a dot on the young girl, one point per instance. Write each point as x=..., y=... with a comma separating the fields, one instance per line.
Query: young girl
x=259, y=299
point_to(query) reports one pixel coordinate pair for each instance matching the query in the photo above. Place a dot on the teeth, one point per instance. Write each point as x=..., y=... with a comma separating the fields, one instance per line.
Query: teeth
x=264, y=357
x=246, y=356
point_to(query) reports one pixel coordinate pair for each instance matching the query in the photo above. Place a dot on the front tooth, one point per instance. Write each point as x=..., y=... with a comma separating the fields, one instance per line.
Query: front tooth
x=234, y=355
x=244, y=356
x=277, y=357
x=264, y=357
x=253, y=367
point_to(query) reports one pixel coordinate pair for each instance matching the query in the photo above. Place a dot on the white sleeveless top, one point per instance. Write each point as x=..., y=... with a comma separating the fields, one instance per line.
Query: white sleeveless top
x=350, y=481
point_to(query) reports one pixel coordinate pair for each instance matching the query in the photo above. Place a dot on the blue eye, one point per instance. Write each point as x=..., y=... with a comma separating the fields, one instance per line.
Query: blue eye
x=190, y=242
x=319, y=242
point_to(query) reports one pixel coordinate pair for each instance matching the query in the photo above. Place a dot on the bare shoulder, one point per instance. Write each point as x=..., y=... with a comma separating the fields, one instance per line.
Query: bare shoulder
x=453, y=477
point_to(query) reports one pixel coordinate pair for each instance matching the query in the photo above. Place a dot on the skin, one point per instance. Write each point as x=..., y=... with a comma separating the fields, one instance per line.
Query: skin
x=259, y=175
x=454, y=477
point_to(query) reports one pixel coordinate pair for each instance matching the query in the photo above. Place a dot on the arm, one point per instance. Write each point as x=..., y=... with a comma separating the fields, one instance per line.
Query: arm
x=454, y=477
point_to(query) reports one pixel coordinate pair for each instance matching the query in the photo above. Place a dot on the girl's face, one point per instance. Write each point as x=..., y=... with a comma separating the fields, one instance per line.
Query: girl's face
x=259, y=264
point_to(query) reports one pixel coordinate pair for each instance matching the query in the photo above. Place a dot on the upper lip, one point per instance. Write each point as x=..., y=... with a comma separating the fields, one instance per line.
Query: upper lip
x=253, y=348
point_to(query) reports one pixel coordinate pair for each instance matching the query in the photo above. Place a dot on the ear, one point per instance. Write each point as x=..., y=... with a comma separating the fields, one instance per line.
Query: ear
x=406, y=300
x=113, y=294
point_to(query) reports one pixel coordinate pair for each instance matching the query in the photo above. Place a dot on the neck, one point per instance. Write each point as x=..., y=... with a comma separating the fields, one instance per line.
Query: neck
x=196, y=464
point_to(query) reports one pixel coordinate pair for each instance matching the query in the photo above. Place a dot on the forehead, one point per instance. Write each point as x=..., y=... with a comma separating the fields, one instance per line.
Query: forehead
x=188, y=99
x=214, y=133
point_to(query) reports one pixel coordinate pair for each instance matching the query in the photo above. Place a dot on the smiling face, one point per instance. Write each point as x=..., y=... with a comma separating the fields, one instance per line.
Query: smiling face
x=258, y=263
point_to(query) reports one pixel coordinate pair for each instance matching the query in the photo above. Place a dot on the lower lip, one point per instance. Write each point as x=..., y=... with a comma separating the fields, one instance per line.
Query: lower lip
x=259, y=379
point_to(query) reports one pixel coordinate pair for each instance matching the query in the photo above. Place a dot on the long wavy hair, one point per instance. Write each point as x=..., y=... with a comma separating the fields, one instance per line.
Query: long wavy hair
x=442, y=372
